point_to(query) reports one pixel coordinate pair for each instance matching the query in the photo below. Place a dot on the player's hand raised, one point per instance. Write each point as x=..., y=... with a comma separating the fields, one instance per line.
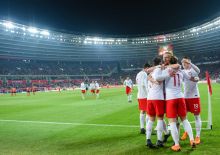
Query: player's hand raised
x=171, y=72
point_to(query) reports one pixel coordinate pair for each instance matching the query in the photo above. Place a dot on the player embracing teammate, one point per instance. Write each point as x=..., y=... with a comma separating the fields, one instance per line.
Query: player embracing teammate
x=166, y=84
x=175, y=102
x=156, y=107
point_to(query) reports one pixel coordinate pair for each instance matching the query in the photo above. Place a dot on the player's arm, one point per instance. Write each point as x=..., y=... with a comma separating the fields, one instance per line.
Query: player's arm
x=157, y=71
x=195, y=68
x=152, y=80
x=193, y=79
x=175, y=66
x=151, y=69
x=165, y=74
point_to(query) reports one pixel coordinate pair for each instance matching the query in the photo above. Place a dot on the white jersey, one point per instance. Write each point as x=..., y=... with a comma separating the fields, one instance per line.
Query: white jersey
x=92, y=86
x=128, y=83
x=97, y=86
x=142, y=83
x=173, y=85
x=190, y=88
x=83, y=86
x=155, y=91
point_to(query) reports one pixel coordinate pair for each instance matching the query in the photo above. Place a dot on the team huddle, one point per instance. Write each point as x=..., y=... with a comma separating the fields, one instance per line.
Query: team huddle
x=160, y=92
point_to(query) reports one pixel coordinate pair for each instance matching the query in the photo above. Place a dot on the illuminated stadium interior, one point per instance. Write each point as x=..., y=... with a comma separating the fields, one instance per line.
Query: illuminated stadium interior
x=30, y=53
x=24, y=42
x=109, y=77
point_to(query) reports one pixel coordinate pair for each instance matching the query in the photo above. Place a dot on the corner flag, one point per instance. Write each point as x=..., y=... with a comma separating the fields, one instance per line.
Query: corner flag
x=209, y=100
x=208, y=82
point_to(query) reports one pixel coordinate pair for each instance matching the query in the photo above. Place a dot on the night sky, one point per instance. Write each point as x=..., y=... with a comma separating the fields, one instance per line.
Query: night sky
x=110, y=17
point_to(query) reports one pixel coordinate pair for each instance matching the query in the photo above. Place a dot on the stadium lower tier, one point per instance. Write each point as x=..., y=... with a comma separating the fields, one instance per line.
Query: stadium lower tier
x=27, y=73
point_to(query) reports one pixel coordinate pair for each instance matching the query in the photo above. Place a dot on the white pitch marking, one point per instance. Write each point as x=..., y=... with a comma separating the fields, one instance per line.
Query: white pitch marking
x=69, y=123
x=78, y=124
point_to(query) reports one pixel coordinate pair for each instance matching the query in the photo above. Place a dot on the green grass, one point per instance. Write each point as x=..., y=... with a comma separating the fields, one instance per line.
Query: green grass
x=112, y=108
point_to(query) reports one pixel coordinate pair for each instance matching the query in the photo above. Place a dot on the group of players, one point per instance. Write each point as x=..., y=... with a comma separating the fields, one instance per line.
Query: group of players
x=93, y=87
x=160, y=92
x=13, y=91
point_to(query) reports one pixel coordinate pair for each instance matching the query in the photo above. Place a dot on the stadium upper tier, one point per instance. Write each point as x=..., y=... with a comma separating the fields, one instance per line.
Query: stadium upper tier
x=24, y=42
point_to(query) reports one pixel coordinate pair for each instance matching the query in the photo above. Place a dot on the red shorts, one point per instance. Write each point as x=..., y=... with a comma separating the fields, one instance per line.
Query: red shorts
x=156, y=107
x=142, y=104
x=93, y=91
x=193, y=105
x=97, y=91
x=128, y=90
x=175, y=108
x=83, y=91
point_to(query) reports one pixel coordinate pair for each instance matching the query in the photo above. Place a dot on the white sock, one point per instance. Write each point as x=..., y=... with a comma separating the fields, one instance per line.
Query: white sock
x=198, y=124
x=147, y=119
x=166, y=131
x=142, y=117
x=149, y=129
x=174, y=133
x=97, y=96
x=178, y=126
x=159, y=129
x=187, y=127
x=130, y=97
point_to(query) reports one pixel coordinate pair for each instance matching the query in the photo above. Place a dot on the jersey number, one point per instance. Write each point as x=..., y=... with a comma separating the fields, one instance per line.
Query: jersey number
x=176, y=80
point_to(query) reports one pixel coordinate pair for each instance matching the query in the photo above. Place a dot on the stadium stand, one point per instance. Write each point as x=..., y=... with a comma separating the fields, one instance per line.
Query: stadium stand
x=33, y=56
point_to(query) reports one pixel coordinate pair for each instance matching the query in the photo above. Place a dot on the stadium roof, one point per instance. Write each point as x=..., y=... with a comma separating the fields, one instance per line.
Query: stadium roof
x=109, y=17
x=27, y=42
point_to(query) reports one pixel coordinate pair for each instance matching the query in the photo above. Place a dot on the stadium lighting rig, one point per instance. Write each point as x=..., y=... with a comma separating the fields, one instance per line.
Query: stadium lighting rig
x=32, y=30
x=21, y=29
x=18, y=29
x=207, y=26
x=104, y=41
x=9, y=25
x=45, y=32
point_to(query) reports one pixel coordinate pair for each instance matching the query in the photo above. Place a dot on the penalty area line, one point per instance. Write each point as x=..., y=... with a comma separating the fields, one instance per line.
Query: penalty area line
x=70, y=123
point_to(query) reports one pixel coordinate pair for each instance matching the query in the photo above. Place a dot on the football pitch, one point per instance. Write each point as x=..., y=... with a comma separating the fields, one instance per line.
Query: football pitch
x=56, y=123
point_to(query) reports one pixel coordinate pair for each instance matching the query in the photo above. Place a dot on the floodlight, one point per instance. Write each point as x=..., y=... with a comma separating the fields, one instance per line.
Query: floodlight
x=32, y=30
x=8, y=25
x=45, y=32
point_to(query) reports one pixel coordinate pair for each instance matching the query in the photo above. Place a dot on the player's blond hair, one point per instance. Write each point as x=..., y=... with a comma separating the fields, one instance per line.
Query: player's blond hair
x=170, y=53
